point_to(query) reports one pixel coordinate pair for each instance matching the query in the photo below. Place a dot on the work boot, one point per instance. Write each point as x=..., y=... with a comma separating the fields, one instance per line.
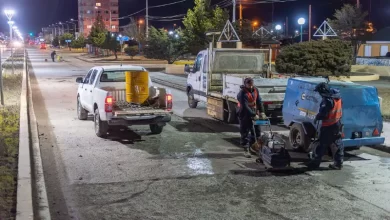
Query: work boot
x=335, y=166
x=247, y=154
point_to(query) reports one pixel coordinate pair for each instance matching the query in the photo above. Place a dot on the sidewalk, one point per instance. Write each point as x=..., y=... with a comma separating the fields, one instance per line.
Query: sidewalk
x=121, y=59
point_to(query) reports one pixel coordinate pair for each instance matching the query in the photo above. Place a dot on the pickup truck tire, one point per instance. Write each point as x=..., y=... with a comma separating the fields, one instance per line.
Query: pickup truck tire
x=298, y=139
x=192, y=103
x=101, y=127
x=156, y=129
x=82, y=114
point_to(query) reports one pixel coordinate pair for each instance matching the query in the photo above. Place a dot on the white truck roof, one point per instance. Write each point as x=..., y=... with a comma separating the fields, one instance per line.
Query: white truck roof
x=121, y=67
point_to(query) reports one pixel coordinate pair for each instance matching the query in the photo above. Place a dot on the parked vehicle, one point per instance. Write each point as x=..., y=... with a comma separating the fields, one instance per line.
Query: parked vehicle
x=362, y=118
x=217, y=81
x=122, y=96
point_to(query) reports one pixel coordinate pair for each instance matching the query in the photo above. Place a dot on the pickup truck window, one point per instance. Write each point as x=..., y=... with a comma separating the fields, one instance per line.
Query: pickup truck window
x=93, y=77
x=86, y=80
x=205, y=65
x=198, y=62
x=113, y=76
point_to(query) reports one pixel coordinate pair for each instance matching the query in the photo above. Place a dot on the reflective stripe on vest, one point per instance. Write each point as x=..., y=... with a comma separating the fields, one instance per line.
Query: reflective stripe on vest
x=334, y=115
x=251, y=99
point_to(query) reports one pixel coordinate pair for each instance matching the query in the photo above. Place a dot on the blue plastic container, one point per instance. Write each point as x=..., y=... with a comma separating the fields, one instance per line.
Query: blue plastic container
x=362, y=117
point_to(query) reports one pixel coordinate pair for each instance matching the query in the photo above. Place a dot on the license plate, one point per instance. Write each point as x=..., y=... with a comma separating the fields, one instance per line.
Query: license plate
x=273, y=106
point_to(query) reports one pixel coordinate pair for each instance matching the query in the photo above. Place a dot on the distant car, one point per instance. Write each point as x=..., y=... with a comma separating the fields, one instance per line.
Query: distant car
x=42, y=46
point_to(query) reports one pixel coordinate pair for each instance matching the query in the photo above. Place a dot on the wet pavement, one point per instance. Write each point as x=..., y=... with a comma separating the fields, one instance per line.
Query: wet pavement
x=193, y=170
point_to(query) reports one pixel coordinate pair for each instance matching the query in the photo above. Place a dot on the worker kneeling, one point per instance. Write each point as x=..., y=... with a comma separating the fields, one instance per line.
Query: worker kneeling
x=250, y=107
x=330, y=113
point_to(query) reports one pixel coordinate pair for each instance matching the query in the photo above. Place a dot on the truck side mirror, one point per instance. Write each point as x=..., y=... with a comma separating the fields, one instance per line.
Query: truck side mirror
x=188, y=69
x=79, y=80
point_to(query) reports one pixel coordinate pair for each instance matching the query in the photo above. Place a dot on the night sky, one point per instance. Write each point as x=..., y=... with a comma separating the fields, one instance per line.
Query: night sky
x=32, y=15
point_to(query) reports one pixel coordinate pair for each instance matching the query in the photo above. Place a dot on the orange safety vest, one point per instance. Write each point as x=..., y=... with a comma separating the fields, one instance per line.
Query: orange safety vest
x=334, y=115
x=251, y=99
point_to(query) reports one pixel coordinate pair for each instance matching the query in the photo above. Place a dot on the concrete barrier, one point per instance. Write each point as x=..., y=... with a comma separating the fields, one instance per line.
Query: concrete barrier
x=174, y=69
x=382, y=71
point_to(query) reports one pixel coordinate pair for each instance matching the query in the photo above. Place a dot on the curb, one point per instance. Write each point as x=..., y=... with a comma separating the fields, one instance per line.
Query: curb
x=42, y=209
x=24, y=201
x=368, y=77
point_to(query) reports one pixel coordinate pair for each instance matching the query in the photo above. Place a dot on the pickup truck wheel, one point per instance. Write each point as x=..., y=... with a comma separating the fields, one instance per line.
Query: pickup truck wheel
x=298, y=138
x=101, y=127
x=192, y=103
x=156, y=129
x=82, y=114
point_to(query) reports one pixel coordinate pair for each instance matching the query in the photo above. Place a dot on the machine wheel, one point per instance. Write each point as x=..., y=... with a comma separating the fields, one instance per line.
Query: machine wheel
x=156, y=129
x=82, y=114
x=192, y=103
x=101, y=127
x=298, y=138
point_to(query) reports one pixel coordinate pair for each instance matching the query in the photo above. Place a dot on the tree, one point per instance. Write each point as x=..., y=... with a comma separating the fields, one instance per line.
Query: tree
x=65, y=37
x=322, y=57
x=136, y=31
x=78, y=43
x=98, y=32
x=131, y=51
x=162, y=45
x=199, y=20
x=350, y=25
x=56, y=41
x=111, y=43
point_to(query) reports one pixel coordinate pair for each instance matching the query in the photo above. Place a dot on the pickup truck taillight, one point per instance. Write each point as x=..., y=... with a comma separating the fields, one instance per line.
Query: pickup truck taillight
x=108, y=103
x=168, y=100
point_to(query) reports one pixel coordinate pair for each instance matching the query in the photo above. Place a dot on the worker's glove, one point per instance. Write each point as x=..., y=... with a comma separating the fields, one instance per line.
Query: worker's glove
x=256, y=118
x=263, y=116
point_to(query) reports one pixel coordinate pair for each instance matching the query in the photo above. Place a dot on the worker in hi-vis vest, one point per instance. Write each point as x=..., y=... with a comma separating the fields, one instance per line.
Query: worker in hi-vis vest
x=330, y=114
x=250, y=107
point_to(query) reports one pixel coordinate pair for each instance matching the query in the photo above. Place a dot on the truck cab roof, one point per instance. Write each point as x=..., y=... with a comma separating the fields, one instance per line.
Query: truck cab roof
x=121, y=67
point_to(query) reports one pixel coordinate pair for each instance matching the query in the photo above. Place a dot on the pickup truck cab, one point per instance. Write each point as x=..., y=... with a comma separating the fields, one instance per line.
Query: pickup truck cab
x=102, y=92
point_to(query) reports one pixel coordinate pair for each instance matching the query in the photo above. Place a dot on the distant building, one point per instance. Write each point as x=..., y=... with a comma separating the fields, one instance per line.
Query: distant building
x=89, y=9
x=377, y=46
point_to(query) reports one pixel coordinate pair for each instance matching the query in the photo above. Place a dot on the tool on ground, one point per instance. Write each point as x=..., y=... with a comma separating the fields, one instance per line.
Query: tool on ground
x=272, y=153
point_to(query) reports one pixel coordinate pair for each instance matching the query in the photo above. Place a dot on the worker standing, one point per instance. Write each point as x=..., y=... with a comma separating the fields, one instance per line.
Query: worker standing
x=330, y=114
x=53, y=55
x=250, y=107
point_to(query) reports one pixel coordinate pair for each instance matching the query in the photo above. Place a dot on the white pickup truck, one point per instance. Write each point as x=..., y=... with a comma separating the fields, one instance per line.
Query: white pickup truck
x=102, y=92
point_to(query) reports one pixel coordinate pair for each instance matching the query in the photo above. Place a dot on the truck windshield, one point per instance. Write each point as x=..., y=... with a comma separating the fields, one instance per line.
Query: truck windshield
x=238, y=61
x=113, y=76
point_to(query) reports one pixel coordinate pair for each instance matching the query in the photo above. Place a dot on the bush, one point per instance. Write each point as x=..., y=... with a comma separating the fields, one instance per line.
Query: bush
x=132, y=51
x=316, y=58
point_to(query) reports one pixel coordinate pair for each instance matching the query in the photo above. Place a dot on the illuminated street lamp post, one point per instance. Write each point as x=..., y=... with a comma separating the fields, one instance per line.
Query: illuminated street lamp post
x=278, y=27
x=301, y=22
x=254, y=24
x=10, y=14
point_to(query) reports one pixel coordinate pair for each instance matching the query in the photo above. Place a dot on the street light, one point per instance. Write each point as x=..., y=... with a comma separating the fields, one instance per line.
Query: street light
x=278, y=27
x=254, y=24
x=301, y=21
x=170, y=32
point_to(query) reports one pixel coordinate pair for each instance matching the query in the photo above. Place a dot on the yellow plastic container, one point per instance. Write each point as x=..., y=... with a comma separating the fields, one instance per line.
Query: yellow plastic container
x=137, y=87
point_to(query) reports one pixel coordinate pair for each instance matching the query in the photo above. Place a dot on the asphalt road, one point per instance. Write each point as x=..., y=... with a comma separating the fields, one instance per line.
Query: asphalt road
x=193, y=170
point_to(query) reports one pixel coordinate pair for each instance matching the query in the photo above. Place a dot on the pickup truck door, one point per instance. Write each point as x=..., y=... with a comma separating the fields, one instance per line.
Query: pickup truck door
x=89, y=92
x=197, y=77
x=83, y=89
x=203, y=79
